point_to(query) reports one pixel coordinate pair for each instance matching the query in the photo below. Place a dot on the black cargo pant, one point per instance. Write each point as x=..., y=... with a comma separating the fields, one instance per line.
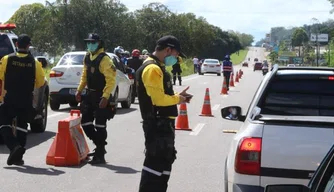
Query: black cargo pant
x=178, y=75
x=90, y=111
x=159, y=156
x=23, y=112
x=227, y=76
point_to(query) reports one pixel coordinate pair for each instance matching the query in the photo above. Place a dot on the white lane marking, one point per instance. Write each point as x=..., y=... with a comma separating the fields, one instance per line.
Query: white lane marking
x=191, y=78
x=197, y=129
x=216, y=107
x=56, y=114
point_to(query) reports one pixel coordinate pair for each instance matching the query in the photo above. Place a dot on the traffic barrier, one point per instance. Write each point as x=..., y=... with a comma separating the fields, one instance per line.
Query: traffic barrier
x=206, y=109
x=237, y=78
x=232, y=80
x=69, y=148
x=224, y=88
x=182, y=122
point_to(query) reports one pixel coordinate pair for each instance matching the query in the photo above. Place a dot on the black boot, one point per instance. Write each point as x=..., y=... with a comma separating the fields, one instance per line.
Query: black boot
x=98, y=156
x=16, y=155
x=93, y=153
x=180, y=83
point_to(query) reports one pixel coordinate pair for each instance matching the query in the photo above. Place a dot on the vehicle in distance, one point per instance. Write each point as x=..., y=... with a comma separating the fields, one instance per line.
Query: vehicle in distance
x=210, y=66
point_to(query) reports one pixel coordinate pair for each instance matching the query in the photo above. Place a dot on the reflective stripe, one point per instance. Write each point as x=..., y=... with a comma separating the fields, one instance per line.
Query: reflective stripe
x=10, y=126
x=166, y=172
x=88, y=123
x=183, y=112
x=206, y=102
x=100, y=126
x=152, y=171
x=21, y=129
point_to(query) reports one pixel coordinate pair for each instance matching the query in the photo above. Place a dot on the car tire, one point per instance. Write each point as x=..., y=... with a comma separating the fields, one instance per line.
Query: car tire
x=219, y=74
x=127, y=103
x=39, y=125
x=54, y=105
x=73, y=104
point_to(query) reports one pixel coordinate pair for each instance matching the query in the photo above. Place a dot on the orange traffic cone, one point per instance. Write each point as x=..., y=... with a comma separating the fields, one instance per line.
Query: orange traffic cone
x=182, y=119
x=232, y=80
x=224, y=88
x=206, y=109
x=240, y=73
x=237, y=78
x=69, y=146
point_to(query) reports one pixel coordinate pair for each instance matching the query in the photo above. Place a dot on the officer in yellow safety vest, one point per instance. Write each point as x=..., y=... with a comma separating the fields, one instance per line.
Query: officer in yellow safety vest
x=158, y=107
x=20, y=73
x=99, y=75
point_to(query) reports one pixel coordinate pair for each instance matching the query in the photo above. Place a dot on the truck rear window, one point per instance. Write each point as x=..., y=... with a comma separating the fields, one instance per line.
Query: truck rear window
x=299, y=97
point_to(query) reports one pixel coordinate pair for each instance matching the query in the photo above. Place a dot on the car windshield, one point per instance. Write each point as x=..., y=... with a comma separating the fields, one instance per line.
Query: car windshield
x=299, y=95
x=211, y=61
x=5, y=46
x=72, y=59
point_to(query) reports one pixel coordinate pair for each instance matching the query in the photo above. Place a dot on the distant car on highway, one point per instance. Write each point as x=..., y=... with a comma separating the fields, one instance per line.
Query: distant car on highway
x=65, y=78
x=245, y=64
x=256, y=59
x=291, y=65
x=286, y=132
x=211, y=66
x=257, y=66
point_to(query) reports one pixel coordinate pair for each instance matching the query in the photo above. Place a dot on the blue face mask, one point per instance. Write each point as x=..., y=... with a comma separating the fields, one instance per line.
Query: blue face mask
x=91, y=47
x=170, y=60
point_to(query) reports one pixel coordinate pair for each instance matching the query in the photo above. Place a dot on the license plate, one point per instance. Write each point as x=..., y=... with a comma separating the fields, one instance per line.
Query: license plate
x=73, y=91
x=212, y=66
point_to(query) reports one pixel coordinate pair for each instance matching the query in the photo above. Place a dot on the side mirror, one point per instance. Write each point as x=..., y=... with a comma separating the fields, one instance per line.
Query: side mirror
x=232, y=113
x=286, y=188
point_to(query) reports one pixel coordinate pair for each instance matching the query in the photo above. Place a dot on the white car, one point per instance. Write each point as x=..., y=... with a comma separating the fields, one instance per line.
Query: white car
x=287, y=131
x=291, y=65
x=211, y=66
x=65, y=78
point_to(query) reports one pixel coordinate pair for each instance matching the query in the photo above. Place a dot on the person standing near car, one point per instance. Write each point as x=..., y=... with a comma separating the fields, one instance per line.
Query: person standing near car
x=99, y=75
x=227, y=70
x=158, y=107
x=177, y=71
x=20, y=73
x=196, y=62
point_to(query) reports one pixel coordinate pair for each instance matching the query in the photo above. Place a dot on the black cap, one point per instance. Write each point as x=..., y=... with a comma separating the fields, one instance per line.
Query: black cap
x=23, y=41
x=172, y=42
x=93, y=37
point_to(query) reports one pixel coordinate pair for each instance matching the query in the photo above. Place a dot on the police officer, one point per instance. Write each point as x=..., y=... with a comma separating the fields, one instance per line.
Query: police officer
x=227, y=70
x=20, y=73
x=99, y=75
x=177, y=71
x=158, y=107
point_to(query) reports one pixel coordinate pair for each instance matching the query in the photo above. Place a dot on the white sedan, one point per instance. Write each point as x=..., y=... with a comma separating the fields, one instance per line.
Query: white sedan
x=65, y=78
x=211, y=66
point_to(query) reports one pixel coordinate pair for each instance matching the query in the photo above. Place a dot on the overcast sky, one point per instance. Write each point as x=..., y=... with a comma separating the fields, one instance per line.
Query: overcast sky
x=255, y=17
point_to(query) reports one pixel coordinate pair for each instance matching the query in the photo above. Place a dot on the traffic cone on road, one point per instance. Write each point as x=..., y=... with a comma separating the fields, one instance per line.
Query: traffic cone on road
x=232, y=80
x=237, y=78
x=224, y=88
x=182, y=119
x=206, y=109
x=240, y=73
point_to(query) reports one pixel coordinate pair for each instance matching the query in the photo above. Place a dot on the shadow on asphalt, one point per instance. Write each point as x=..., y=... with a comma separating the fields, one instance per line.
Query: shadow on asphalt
x=33, y=139
x=118, y=169
x=36, y=171
x=121, y=111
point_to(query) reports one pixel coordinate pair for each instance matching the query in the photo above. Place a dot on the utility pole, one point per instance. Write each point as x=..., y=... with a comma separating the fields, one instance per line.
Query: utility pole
x=317, y=49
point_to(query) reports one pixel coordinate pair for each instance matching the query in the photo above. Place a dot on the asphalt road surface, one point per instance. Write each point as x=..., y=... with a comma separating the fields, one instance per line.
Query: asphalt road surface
x=200, y=158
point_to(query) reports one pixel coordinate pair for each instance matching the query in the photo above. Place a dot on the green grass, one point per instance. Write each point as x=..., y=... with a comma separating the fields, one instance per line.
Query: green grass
x=237, y=59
